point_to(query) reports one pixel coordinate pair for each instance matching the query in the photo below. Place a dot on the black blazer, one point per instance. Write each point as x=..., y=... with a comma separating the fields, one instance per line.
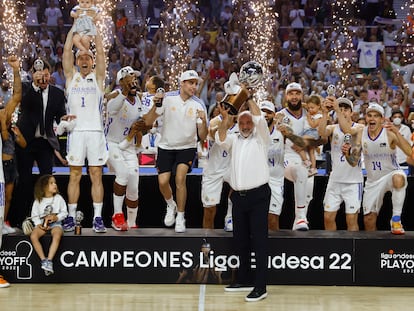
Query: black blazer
x=31, y=108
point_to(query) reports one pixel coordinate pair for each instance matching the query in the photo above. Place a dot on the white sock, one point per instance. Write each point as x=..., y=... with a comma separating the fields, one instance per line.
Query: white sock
x=180, y=214
x=229, y=208
x=132, y=216
x=72, y=209
x=118, y=203
x=170, y=201
x=97, y=209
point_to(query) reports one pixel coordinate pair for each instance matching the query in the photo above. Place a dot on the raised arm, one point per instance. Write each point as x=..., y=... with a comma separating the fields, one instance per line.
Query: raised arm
x=68, y=59
x=100, y=61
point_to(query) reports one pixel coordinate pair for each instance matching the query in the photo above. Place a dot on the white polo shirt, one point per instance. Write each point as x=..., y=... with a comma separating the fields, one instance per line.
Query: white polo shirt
x=179, y=130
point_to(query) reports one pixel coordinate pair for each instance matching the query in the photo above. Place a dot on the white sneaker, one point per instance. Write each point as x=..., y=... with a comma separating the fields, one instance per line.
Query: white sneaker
x=300, y=225
x=228, y=224
x=7, y=229
x=169, y=218
x=180, y=224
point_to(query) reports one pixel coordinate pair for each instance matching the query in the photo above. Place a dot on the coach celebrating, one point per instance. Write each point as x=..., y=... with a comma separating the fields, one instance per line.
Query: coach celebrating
x=249, y=177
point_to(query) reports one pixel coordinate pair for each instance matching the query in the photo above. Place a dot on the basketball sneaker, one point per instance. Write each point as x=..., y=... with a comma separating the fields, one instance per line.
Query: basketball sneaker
x=7, y=229
x=300, y=225
x=396, y=226
x=3, y=282
x=228, y=224
x=119, y=223
x=169, y=218
x=180, y=224
x=98, y=225
x=68, y=224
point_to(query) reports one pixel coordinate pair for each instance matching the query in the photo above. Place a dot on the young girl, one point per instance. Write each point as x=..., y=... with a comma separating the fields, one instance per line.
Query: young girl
x=48, y=211
x=313, y=117
x=84, y=29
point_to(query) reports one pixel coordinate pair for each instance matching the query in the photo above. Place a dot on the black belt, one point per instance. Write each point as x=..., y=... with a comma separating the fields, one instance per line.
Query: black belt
x=244, y=193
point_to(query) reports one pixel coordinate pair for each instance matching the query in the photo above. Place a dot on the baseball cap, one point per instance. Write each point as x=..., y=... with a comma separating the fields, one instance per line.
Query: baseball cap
x=268, y=105
x=375, y=107
x=189, y=75
x=124, y=71
x=293, y=87
x=81, y=52
x=345, y=101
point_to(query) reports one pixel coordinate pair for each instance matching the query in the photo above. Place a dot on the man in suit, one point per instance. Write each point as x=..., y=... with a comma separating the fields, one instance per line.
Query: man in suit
x=41, y=105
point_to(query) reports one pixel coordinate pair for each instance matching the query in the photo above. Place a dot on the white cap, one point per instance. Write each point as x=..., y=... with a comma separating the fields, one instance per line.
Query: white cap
x=123, y=72
x=294, y=87
x=189, y=75
x=81, y=52
x=345, y=101
x=375, y=107
x=268, y=105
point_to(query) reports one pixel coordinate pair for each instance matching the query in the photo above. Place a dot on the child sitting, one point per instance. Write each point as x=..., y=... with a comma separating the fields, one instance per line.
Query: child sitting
x=48, y=211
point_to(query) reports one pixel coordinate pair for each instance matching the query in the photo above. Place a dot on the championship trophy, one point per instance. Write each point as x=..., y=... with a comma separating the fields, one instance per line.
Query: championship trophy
x=78, y=220
x=347, y=138
x=251, y=74
x=48, y=210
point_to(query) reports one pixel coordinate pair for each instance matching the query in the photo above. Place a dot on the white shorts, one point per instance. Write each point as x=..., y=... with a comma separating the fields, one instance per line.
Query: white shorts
x=374, y=192
x=336, y=193
x=276, y=200
x=211, y=187
x=89, y=145
x=124, y=163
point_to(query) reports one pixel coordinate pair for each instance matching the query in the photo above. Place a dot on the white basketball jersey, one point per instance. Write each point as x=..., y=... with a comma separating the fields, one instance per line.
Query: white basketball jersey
x=85, y=101
x=219, y=159
x=379, y=158
x=118, y=124
x=342, y=172
x=297, y=125
x=276, y=154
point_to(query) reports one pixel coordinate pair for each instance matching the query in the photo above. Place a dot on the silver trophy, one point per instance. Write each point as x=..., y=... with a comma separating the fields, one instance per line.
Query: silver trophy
x=48, y=210
x=331, y=90
x=38, y=65
x=78, y=220
x=158, y=97
x=347, y=138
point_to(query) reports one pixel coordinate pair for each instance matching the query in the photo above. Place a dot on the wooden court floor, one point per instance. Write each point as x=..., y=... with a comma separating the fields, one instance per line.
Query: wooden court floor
x=143, y=297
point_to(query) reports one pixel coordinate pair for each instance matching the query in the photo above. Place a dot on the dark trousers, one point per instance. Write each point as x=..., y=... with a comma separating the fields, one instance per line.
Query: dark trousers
x=250, y=233
x=38, y=150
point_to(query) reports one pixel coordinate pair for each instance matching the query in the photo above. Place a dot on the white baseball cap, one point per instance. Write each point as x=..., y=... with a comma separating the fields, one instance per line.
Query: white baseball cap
x=375, y=107
x=294, y=87
x=268, y=105
x=189, y=75
x=123, y=72
x=81, y=52
x=345, y=101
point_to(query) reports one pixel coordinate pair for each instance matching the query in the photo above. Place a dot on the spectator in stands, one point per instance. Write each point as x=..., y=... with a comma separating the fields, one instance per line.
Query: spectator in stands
x=52, y=13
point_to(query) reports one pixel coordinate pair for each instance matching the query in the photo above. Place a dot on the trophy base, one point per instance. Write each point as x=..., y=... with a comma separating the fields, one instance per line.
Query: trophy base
x=78, y=230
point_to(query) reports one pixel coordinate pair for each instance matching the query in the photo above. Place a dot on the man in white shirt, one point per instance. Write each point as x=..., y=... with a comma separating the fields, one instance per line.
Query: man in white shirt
x=184, y=121
x=249, y=179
